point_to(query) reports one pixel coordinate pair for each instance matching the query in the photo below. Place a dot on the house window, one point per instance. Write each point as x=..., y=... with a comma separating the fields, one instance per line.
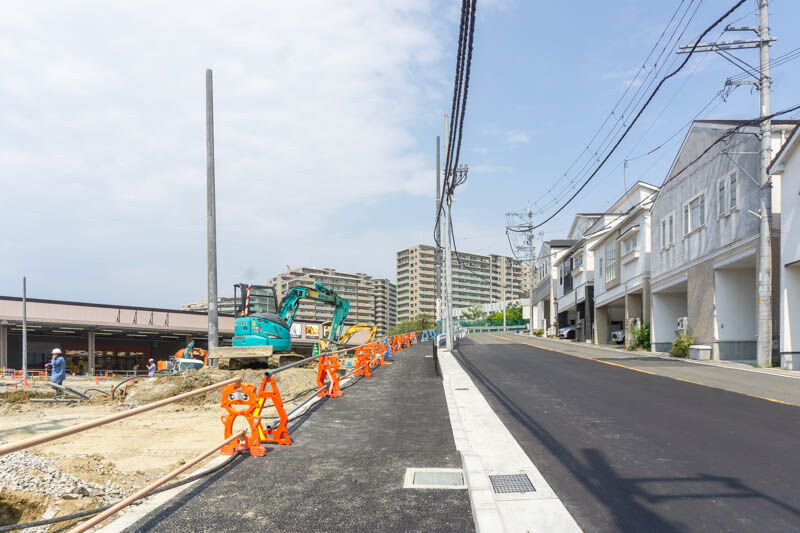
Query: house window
x=721, y=210
x=611, y=261
x=667, y=231
x=671, y=228
x=694, y=214
x=631, y=244
x=733, y=188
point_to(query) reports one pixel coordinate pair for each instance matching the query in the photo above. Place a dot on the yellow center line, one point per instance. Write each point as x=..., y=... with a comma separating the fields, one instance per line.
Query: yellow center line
x=774, y=400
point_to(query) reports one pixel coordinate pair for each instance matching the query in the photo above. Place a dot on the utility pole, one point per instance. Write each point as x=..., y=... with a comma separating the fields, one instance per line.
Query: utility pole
x=531, y=272
x=24, y=329
x=443, y=287
x=764, y=345
x=763, y=83
x=503, y=292
x=448, y=262
x=437, y=250
x=211, y=217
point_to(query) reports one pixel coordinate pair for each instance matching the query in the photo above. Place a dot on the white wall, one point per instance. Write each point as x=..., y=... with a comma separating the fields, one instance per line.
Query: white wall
x=790, y=253
x=735, y=301
x=666, y=309
x=790, y=309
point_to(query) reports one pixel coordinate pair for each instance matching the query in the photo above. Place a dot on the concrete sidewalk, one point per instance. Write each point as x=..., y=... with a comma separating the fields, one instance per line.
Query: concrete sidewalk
x=345, y=470
x=769, y=384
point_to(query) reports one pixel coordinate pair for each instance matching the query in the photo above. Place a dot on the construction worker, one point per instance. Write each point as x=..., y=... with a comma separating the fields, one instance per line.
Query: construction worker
x=58, y=368
x=151, y=368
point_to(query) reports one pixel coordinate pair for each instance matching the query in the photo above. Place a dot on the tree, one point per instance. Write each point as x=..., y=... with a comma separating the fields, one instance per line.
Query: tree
x=474, y=312
x=418, y=323
x=513, y=313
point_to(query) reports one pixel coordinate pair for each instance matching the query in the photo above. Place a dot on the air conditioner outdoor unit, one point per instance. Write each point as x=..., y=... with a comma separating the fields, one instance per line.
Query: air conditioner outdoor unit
x=683, y=326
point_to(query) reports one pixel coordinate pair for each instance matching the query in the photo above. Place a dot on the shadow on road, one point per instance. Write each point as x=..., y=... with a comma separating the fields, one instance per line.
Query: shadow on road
x=621, y=496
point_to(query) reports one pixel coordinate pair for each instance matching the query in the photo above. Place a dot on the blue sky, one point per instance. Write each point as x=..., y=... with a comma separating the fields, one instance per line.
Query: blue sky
x=326, y=118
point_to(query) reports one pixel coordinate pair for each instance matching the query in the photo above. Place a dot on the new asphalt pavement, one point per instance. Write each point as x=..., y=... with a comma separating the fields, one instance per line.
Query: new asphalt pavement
x=632, y=451
x=345, y=469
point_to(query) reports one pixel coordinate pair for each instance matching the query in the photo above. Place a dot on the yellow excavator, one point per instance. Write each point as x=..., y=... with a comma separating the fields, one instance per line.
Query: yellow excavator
x=324, y=344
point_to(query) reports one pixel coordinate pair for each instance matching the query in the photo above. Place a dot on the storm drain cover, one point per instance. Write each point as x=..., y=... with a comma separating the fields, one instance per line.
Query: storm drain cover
x=506, y=483
x=434, y=478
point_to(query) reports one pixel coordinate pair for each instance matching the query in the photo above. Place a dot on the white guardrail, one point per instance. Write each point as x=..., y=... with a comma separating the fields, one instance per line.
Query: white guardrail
x=457, y=336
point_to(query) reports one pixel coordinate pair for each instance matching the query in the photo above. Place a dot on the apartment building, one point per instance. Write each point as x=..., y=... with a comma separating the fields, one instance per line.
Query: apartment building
x=372, y=301
x=477, y=280
x=385, y=305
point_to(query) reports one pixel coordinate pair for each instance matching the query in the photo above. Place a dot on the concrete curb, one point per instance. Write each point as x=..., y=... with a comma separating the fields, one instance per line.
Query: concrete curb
x=488, y=448
x=664, y=355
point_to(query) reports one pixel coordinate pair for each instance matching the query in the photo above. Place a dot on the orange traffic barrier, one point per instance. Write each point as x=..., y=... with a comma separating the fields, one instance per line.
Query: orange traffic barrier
x=363, y=362
x=243, y=400
x=328, y=365
x=234, y=397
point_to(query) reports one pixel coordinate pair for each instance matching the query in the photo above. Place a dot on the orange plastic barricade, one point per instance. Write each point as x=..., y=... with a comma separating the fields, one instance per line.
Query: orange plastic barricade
x=328, y=365
x=413, y=337
x=245, y=401
x=241, y=399
x=363, y=361
x=279, y=435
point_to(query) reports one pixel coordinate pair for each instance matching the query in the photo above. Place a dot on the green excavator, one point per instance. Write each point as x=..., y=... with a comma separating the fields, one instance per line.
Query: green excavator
x=262, y=330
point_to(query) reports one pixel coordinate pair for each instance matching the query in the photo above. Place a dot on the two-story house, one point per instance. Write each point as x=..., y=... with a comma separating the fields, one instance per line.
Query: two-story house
x=545, y=281
x=705, y=230
x=787, y=165
x=622, y=267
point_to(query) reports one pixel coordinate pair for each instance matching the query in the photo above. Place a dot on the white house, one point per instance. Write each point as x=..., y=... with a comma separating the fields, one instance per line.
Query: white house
x=622, y=267
x=704, y=231
x=787, y=165
x=545, y=281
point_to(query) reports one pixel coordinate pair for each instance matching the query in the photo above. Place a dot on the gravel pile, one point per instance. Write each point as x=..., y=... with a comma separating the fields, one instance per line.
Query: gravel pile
x=27, y=472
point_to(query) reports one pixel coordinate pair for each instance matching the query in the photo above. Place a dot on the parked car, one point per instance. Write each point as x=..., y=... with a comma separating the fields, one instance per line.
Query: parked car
x=618, y=336
x=567, y=332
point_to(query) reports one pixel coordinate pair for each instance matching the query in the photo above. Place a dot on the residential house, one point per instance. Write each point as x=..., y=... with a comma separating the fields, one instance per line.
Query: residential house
x=787, y=165
x=622, y=267
x=545, y=281
x=705, y=230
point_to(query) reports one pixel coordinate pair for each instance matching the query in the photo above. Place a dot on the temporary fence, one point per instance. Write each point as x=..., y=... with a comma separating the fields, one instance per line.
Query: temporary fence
x=238, y=399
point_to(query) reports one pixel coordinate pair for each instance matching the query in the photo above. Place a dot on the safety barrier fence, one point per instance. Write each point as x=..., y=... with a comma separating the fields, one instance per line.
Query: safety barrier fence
x=239, y=399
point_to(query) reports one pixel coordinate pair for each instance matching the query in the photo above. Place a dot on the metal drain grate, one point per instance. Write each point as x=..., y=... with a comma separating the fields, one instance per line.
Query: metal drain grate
x=505, y=483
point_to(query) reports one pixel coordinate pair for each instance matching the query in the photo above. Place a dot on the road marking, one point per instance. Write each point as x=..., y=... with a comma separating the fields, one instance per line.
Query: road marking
x=623, y=366
x=774, y=400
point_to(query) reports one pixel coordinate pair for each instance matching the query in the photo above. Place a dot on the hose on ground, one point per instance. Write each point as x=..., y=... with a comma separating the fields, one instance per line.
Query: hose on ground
x=89, y=512
x=121, y=383
x=97, y=390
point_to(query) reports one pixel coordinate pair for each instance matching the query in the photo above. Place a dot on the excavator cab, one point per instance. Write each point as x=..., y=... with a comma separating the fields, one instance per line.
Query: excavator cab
x=252, y=299
x=257, y=320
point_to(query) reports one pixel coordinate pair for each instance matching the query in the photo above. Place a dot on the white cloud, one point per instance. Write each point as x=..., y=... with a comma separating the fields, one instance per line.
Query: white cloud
x=103, y=143
x=517, y=137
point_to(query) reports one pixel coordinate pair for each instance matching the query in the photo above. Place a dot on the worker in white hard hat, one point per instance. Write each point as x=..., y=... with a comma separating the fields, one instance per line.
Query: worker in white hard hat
x=58, y=368
x=151, y=368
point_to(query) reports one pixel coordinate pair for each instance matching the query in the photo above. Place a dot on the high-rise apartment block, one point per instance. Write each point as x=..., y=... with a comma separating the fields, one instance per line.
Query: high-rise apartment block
x=477, y=279
x=372, y=301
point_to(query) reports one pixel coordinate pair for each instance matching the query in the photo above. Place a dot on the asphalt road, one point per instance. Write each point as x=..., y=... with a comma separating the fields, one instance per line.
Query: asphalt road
x=629, y=451
x=345, y=468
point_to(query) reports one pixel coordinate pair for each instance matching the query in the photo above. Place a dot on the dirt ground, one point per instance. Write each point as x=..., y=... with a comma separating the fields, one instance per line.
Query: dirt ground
x=130, y=452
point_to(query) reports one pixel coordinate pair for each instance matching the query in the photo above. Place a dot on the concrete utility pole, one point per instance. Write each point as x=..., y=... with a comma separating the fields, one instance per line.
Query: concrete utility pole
x=24, y=328
x=437, y=251
x=442, y=268
x=211, y=217
x=764, y=346
x=531, y=272
x=764, y=305
x=448, y=262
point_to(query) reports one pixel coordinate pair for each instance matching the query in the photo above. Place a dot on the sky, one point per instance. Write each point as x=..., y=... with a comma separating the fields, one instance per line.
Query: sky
x=326, y=117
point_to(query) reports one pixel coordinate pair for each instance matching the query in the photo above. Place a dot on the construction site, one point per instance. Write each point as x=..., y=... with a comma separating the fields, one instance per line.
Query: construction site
x=51, y=470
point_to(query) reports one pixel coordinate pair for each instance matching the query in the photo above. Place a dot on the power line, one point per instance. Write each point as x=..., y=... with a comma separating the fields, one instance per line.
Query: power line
x=636, y=118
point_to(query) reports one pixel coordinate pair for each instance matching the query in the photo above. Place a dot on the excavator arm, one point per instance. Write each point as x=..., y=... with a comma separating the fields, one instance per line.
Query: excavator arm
x=320, y=293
